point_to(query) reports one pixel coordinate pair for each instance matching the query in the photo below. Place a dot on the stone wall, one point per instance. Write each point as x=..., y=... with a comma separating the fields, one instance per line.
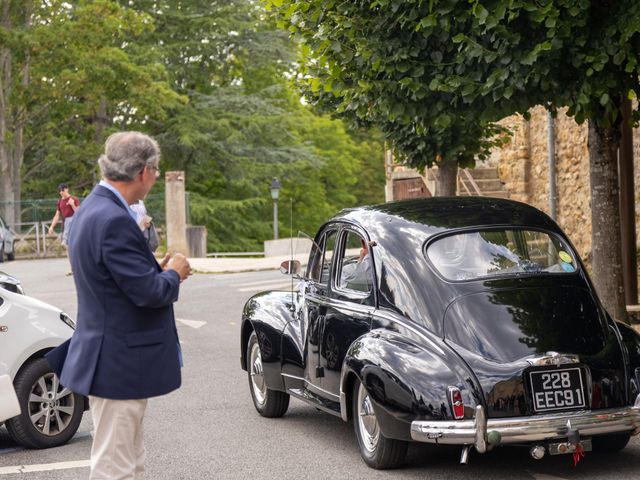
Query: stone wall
x=523, y=167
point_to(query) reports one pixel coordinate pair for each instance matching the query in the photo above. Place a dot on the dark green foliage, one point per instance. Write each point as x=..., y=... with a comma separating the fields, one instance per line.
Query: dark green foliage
x=434, y=74
x=375, y=63
x=209, y=80
x=243, y=125
x=236, y=143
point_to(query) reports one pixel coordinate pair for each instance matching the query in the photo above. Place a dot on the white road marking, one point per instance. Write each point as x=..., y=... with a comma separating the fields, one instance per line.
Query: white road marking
x=44, y=467
x=191, y=323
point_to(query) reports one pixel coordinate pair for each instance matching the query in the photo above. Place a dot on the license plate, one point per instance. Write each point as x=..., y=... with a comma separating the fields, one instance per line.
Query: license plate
x=557, y=389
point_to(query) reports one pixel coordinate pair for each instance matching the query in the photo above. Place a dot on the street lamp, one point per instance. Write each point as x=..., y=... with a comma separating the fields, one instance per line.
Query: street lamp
x=275, y=191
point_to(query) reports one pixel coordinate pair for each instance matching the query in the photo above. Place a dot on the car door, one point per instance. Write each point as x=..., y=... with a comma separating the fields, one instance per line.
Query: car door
x=314, y=304
x=351, y=305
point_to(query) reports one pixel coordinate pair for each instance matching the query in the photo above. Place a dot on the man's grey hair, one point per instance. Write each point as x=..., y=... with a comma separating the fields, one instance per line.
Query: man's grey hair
x=126, y=154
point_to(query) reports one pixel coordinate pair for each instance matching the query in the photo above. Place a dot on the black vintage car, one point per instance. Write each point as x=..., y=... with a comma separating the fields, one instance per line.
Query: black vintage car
x=464, y=321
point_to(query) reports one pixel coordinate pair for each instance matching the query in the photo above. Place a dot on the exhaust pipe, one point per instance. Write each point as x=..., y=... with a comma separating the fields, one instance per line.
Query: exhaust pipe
x=464, y=455
x=537, y=452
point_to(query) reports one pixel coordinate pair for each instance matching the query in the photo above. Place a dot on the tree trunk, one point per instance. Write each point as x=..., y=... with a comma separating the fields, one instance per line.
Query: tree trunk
x=6, y=164
x=606, y=248
x=12, y=116
x=447, y=177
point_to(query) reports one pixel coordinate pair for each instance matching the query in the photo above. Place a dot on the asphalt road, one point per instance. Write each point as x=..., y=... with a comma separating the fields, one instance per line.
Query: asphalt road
x=208, y=429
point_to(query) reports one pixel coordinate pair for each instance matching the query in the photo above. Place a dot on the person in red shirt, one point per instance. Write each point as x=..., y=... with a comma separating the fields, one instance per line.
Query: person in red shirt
x=67, y=206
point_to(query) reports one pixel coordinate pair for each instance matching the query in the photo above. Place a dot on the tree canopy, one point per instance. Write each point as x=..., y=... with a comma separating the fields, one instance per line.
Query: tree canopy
x=413, y=66
x=208, y=79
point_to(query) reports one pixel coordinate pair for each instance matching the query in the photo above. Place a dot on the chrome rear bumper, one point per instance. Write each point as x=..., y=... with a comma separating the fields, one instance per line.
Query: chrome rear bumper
x=527, y=429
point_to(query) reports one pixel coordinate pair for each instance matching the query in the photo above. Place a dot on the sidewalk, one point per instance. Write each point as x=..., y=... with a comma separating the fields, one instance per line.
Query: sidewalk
x=241, y=264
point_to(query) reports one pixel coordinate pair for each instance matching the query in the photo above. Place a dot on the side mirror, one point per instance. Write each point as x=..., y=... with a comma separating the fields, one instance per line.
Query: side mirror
x=290, y=267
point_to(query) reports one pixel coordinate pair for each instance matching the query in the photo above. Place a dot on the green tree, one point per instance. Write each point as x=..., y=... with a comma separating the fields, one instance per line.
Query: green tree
x=236, y=143
x=210, y=81
x=243, y=126
x=65, y=80
x=435, y=62
x=368, y=64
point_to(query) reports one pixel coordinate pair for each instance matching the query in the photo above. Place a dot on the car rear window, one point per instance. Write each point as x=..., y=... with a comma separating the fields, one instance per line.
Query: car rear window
x=489, y=253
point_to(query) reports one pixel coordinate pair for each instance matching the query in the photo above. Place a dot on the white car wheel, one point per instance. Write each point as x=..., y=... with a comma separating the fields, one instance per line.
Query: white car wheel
x=50, y=414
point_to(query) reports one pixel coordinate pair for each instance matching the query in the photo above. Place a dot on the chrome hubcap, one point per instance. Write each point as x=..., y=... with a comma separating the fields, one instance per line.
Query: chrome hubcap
x=369, y=429
x=50, y=405
x=257, y=374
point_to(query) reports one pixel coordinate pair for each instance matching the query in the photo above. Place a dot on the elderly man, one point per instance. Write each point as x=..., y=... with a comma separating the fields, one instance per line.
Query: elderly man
x=125, y=348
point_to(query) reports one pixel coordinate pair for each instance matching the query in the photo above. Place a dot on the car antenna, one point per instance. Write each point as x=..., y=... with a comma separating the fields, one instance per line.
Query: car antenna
x=291, y=240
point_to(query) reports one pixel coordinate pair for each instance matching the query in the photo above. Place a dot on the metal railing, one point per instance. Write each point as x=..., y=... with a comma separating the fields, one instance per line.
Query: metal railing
x=235, y=254
x=462, y=178
x=469, y=178
x=31, y=239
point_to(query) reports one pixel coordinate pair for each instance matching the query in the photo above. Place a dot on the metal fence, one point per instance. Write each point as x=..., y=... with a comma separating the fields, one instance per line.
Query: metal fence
x=31, y=238
x=33, y=211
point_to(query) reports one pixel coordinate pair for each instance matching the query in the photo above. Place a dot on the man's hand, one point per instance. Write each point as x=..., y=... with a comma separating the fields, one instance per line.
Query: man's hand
x=165, y=261
x=180, y=264
x=71, y=202
x=50, y=230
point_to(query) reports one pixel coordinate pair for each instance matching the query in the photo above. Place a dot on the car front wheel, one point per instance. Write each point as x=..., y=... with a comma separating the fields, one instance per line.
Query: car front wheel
x=268, y=403
x=50, y=414
x=12, y=256
x=377, y=450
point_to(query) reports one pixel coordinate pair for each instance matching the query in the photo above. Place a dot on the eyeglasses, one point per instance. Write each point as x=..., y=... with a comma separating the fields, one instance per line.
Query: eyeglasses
x=156, y=169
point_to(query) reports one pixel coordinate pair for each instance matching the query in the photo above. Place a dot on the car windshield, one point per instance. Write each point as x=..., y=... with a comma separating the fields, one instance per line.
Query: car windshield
x=489, y=253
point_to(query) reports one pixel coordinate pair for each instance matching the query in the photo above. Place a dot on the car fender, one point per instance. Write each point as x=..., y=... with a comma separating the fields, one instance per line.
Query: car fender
x=267, y=314
x=28, y=328
x=34, y=350
x=406, y=380
x=631, y=340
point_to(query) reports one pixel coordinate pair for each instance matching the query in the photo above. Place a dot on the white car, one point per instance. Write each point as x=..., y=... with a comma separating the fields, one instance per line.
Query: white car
x=50, y=413
x=9, y=406
x=7, y=242
x=10, y=283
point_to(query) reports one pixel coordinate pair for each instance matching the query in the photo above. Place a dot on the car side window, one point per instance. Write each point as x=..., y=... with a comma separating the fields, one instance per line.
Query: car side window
x=329, y=248
x=355, y=264
x=321, y=256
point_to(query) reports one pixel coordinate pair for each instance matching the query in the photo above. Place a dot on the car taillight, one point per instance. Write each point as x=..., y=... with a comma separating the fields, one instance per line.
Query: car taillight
x=455, y=400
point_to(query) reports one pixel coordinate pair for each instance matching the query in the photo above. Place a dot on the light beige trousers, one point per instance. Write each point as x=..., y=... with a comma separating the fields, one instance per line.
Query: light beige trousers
x=117, y=452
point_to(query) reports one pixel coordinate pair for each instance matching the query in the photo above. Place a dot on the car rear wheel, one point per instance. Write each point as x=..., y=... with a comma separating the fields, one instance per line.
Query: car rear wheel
x=377, y=450
x=268, y=403
x=50, y=414
x=12, y=256
x=611, y=443
x=1, y=252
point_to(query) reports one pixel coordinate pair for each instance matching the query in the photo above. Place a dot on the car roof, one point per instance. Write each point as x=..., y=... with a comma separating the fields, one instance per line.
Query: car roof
x=434, y=215
x=400, y=231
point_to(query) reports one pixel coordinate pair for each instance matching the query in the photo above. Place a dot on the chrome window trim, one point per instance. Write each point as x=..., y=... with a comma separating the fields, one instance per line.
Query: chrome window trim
x=341, y=304
x=335, y=286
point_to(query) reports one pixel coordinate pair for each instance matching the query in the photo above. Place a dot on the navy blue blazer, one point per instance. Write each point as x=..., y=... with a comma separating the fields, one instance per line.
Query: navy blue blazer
x=125, y=345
